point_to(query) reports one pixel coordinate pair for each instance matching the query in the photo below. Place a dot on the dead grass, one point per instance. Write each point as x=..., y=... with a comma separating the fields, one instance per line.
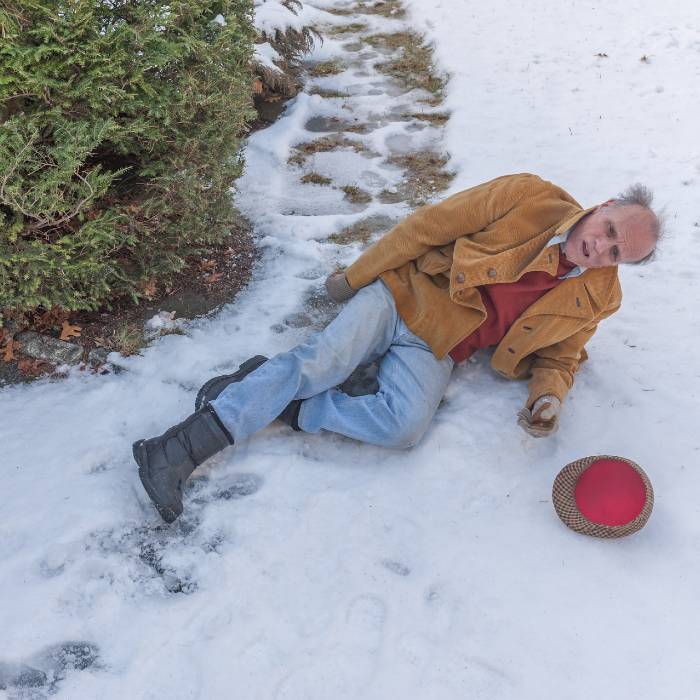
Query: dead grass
x=386, y=8
x=434, y=118
x=316, y=179
x=362, y=231
x=340, y=11
x=391, y=42
x=356, y=195
x=325, y=68
x=127, y=339
x=426, y=176
x=413, y=66
x=327, y=94
x=352, y=28
x=324, y=145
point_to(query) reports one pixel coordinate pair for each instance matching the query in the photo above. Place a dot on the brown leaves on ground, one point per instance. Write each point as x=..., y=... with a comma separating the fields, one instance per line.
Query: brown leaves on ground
x=34, y=368
x=52, y=319
x=149, y=289
x=214, y=277
x=9, y=350
x=69, y=331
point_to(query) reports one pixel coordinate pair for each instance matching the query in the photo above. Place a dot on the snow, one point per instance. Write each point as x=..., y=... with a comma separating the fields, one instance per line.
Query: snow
x=313, y=567
x=273, y=15
x=265, y=55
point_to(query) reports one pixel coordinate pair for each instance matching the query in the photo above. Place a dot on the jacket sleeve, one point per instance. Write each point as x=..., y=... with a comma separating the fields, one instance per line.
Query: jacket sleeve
x=552, y=372
x=440, y=224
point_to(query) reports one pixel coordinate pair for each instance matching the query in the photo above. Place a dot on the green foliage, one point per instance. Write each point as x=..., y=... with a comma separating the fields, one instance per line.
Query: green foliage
x=120, y=128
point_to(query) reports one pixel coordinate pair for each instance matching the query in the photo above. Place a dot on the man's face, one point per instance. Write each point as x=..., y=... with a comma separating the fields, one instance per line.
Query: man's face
x=611, y=235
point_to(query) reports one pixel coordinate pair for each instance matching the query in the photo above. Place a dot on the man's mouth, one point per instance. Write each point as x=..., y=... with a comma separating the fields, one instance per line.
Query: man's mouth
x=585, y=248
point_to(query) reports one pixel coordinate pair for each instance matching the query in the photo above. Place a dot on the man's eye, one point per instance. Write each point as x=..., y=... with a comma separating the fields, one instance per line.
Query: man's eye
x=615, y=252
x=611, y=231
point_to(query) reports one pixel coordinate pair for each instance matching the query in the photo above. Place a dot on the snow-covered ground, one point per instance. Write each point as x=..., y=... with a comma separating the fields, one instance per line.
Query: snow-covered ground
x=311, y=567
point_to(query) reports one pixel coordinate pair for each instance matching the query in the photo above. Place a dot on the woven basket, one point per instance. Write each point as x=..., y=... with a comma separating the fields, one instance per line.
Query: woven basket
x=563, y=497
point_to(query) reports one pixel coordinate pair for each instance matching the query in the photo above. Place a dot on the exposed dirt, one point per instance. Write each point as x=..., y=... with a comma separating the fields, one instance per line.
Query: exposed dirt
x=203, y=285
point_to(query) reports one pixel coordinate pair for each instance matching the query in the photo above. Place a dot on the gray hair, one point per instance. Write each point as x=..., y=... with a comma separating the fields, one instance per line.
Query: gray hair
x=641, y=196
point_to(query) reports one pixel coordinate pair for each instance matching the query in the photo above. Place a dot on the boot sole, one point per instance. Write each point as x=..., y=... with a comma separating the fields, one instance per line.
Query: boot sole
x=168, y=514
x=248, y=366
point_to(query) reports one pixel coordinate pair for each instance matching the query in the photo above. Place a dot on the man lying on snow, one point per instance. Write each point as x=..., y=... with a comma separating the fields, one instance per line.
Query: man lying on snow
x=515, y=263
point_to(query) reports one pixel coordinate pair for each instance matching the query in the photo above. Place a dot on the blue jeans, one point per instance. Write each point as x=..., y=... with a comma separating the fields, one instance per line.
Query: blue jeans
x=411, y=379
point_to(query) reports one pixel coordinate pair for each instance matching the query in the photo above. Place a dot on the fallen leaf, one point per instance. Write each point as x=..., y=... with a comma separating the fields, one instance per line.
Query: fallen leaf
x=53, y=318
x=149, y=289
x=214, y=277
x=11, y=346
x=68, y=331
x=257, y=86
x=34, y=367
x=207, y=264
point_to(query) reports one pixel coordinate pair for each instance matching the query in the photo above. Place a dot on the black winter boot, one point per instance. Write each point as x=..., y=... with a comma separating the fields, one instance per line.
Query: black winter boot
x=211, y=389
x=166, y=462
x=215, y=386
x=290, y=415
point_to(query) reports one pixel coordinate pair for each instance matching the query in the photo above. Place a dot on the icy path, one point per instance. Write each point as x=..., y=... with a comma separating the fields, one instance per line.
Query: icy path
x=316, y=568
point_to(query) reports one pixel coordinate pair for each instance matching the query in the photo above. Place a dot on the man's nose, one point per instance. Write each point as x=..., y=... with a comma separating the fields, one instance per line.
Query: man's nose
x=601, y=245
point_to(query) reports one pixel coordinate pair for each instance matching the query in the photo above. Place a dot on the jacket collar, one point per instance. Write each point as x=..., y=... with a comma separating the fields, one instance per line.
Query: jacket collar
x=572, y=220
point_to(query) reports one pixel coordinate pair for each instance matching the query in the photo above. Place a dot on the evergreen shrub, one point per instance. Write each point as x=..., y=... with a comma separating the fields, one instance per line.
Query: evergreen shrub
x=120, y=133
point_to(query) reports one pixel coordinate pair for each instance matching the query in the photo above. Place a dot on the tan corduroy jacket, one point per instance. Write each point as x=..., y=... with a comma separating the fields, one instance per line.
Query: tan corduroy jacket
x=434, y=260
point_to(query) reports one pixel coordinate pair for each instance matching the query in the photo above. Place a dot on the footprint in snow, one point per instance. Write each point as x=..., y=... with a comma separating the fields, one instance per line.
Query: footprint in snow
x=42, y=673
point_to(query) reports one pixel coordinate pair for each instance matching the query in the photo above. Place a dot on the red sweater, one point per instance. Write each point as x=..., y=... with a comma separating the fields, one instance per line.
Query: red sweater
x=504, y=304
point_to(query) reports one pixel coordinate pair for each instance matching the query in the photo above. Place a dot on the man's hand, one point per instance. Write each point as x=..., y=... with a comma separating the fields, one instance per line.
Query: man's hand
x=338, y=288
x=543, y=420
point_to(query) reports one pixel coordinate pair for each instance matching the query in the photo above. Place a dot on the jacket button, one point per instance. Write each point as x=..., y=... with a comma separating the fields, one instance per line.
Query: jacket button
x=460, y=277
x=492, y=273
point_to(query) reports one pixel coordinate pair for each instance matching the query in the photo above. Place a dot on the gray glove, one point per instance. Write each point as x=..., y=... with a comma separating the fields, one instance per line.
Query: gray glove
x=543, y=420
x=338, y=288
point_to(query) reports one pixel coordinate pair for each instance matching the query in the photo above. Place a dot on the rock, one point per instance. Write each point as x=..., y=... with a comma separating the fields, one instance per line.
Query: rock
x=11, y=326
x=97, y=357
x=43, y=347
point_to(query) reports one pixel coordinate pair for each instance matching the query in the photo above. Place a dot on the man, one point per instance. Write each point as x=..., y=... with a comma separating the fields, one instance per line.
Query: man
x=514, y=262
